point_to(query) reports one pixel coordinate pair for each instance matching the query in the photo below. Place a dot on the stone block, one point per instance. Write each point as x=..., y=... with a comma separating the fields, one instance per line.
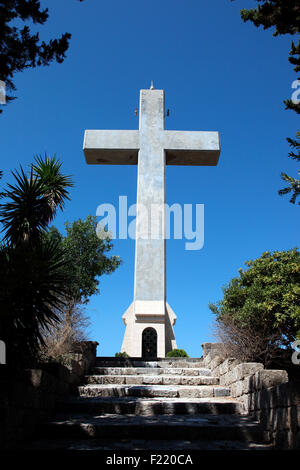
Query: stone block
x=175, y=380
x=230, y=377
x=130, y=370
x=190, y=381
x=257, y=397
x=221, y=392
x=274, y=397
x=228, y=365
x=197, y=365
x=286, y=394
x=264, y=399
x=77, y=368
x=196, y=392
x=271, y=418
x=222, y=379
x=295, y=442
x=152, y=379
x=270, y=378
x=189, y=372
x=237, y=389
x=251, y=401
x=216, y=361
x=246, y=402
x=112, y=379
x=280, y=439
x=246, y=368
x=207, y=359
x=293, y=418
x=41, y=380
x=134, y=379
x=248, y=384
x=280, y=421
x=87, y=350
x=292, y=390
x=199, y=381
x=181, y=364
x=293, y=439
x=152, y=391
x=216, y=349
x=263, y=418
x=215, y=371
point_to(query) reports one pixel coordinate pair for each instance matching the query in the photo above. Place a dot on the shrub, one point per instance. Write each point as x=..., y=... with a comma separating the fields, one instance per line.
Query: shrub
x=121, y=354
x=177, y=353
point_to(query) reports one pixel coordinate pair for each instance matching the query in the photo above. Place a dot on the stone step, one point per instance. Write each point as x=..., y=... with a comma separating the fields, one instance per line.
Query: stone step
x=151, y=407
x=181, y=391
x=190, y=371
x=198, y=427
x=158, y=363
x=150, y=379
x=184, y=446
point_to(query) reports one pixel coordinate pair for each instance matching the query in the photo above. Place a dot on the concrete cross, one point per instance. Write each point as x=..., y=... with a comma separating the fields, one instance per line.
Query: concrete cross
x=151, y=148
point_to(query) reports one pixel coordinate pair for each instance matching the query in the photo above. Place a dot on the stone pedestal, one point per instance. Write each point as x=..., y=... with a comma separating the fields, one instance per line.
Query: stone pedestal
x=149, y=314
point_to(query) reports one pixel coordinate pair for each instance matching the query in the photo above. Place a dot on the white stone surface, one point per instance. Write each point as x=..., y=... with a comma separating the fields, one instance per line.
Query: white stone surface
x=163, y=324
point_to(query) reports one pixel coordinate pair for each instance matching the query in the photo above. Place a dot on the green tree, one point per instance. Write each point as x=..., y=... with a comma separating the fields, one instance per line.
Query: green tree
x=32, y=278
x=264, y=302
x=284, y=15
x=86, y=256
x=19, y=48
x=87, y=259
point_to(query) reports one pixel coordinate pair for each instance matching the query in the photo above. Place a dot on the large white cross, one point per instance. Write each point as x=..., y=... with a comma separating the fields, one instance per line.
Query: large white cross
x=151, y=148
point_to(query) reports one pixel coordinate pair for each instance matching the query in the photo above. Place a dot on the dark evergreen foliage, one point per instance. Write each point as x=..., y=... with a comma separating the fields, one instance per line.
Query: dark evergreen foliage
x=284, y=16
x=19, y=47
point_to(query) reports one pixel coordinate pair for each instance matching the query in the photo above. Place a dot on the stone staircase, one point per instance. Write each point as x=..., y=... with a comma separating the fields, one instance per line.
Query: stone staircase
x=161, y=404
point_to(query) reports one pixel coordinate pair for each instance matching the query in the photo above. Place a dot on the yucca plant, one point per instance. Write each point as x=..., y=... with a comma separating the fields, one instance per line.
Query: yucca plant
x=53, y=183
x=33, y=200
x=26, y=213
x=32, y=281
x=32, y=286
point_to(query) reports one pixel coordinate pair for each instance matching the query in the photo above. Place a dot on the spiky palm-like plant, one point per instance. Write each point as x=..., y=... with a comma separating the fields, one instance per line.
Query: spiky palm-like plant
x=53, y=183
x=31, y=288
x=26, y=212
x=32, y=281
x=33, y=200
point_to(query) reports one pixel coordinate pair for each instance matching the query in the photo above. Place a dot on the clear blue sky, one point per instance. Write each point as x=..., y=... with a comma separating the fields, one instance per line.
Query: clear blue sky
x=218, y=74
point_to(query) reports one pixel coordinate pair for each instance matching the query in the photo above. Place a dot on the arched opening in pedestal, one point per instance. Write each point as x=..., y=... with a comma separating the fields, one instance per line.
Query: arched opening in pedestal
x=149, y=342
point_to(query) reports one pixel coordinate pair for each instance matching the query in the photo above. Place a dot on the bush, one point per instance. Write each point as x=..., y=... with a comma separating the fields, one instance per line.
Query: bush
x=259, y=315
x=121, y=354
x=177, y=353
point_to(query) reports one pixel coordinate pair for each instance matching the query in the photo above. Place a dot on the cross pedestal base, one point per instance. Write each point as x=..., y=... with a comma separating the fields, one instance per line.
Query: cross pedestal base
x=149, y=329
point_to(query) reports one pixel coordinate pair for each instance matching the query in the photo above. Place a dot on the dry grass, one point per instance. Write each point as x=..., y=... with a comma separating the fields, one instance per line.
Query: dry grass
x=73, y=327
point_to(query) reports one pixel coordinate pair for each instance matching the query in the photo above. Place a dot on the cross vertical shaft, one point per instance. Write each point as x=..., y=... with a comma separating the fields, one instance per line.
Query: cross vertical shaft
x=150, y=256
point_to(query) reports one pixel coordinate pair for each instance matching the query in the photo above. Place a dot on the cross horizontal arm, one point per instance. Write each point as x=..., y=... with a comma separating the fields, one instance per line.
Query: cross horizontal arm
x=192, y=147
x=111, y=147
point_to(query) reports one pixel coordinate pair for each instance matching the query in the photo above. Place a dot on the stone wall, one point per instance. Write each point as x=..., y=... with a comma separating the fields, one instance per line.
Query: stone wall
x=28, y=397
x=267, y=395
